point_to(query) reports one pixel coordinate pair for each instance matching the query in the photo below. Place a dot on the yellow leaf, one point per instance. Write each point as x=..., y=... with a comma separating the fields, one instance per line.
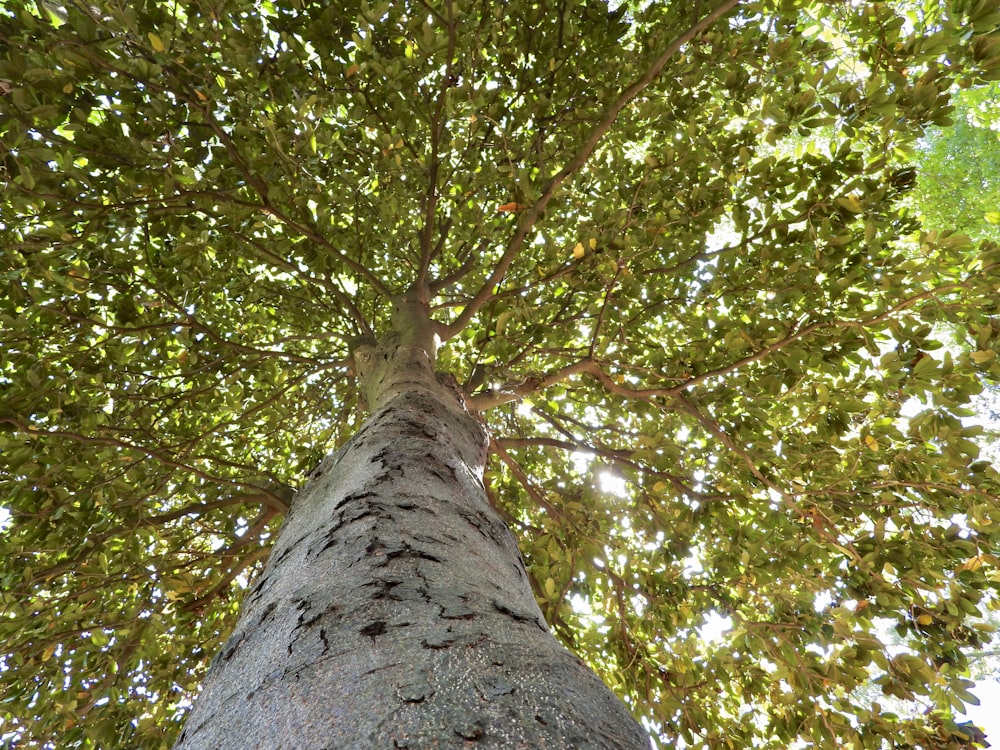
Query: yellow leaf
x=49, y=650
x=201, y=96
x=512, y=206
x=872, y=443
x=851, y=203
x=593, y=243
x=924, y=619
x=156, y=42
x=68, y=88
x=502, y=321
x=579, y=251
x=973, y=563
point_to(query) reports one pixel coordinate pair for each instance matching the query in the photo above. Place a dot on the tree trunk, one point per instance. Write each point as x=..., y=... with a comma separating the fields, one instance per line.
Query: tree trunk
x=395, y=611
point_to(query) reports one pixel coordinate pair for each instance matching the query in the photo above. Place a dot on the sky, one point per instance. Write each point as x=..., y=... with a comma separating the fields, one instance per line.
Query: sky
x=987, y=714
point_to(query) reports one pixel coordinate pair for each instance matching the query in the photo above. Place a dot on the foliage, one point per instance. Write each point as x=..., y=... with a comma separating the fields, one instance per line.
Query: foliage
x=959, y=169
x=670, y=254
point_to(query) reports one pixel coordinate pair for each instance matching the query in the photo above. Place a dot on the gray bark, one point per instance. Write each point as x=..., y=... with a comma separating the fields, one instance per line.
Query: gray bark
x=395, y=611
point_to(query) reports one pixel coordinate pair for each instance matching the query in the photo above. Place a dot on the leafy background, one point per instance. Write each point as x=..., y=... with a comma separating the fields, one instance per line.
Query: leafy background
x=730, y=346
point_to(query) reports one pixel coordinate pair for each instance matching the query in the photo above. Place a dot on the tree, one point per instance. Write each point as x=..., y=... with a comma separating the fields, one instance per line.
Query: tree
x=958, y=187
x=664, y=251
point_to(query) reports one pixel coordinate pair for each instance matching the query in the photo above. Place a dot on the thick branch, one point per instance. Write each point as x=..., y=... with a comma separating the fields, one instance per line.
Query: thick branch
x=484, y=401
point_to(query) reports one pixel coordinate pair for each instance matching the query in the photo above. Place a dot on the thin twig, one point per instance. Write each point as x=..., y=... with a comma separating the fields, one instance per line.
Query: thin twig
x=533, y=214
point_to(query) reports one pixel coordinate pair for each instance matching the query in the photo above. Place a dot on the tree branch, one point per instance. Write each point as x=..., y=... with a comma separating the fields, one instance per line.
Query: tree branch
x=823, y=526
x=489, y=399
x=437, y=126
x=266, y=495
x=615, y=455
x=532, y=215
x=525, y=482
x=261, y=553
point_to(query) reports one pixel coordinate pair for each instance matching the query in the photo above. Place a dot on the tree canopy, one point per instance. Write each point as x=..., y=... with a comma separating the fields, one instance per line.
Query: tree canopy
x=960, y=165
x=668, y=249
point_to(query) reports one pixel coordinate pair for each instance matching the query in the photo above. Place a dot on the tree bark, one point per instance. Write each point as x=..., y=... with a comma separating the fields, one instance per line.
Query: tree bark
x=395, y=611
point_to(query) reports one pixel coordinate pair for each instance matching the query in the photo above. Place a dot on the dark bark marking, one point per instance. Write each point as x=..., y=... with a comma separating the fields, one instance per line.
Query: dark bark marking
x=255, y=590
x=373, y=629
x=382, y=668
x=230, y=647
x=413, y=553
x=412, y=592
x=268, y=611
x=330, y=535
x=391, y=473
x=492, y=687
x=473, y=520
x=415, y=691
x=517, y=615
x=385, y=588
x=457, y=611
x=448, y=639
x=491, y=529
x=284, y=553
x=400, y=550
x=331, y=541
x=469, y=729
x=304, y=621
x=322, y=637
x=362, y=513
x=354, y=497
x=274, y=675
x=442, y=640
x=327, y=463
x=438, y=468
x=416, y=428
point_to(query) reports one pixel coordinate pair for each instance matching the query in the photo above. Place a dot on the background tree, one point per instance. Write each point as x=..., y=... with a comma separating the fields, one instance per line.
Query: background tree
x=669, y=264
x=959, y=168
